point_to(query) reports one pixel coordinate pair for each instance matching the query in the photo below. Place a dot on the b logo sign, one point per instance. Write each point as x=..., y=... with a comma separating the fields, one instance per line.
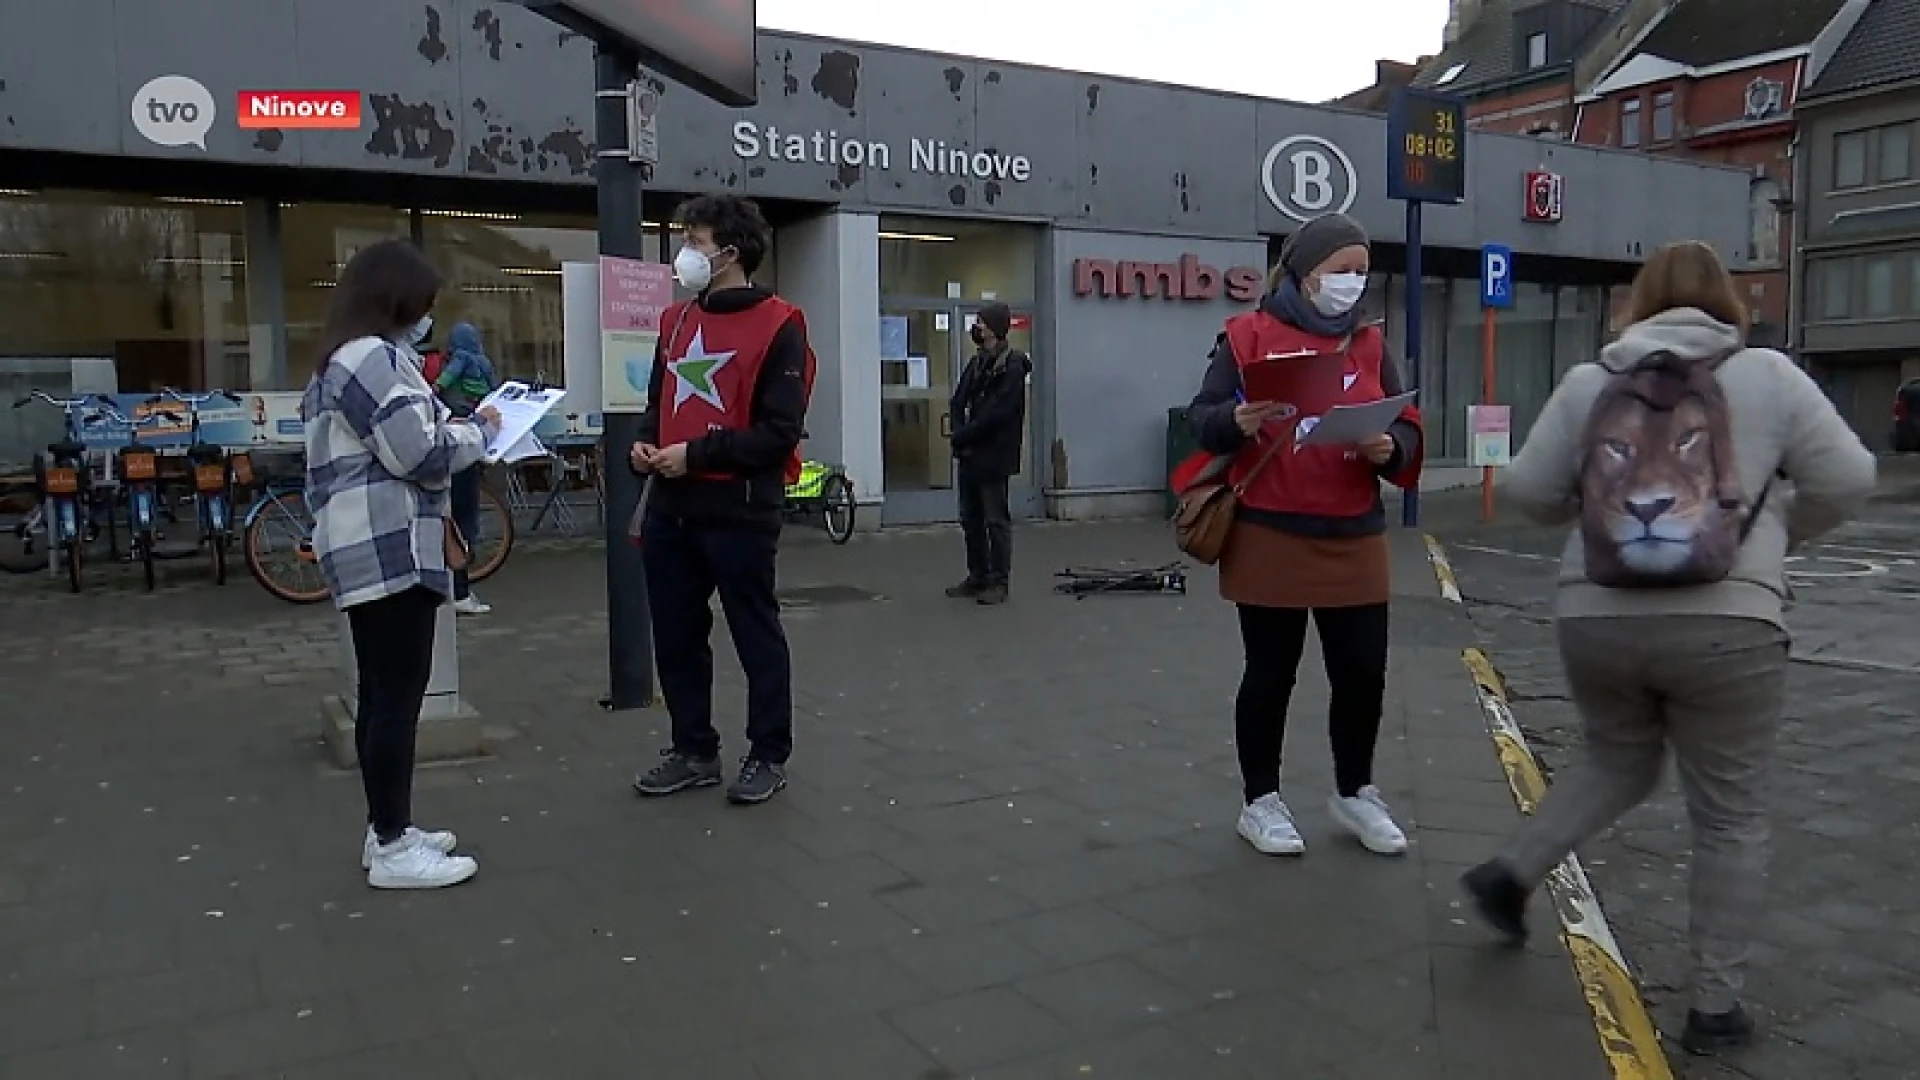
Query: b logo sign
x=1306, y=176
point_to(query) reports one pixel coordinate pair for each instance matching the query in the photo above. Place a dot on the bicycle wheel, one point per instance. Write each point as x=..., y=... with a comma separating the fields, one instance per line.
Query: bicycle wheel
x=23, y=538
x=837, y=508
x=279, y=549
x=495, y=542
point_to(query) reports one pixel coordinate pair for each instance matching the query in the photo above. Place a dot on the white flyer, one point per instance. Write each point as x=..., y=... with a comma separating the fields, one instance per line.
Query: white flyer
x=1346, y=425
x=520, y=407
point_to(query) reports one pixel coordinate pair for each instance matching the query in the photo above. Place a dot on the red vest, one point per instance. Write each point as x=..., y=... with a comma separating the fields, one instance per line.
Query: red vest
x=712, y=367
x=1323, y=481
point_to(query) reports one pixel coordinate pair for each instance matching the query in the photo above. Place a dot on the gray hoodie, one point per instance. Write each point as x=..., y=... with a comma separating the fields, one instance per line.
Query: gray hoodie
x=1781, y=421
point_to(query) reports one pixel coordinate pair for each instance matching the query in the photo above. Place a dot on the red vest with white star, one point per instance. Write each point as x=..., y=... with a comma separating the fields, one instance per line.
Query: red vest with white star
x=1325, y=481
x=712, y=366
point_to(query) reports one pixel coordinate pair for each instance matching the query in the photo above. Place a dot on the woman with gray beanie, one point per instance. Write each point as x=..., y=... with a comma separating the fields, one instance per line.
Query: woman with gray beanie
x=1308, y=539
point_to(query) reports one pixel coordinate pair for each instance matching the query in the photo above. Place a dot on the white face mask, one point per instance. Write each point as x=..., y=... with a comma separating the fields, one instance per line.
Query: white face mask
x=693, y=268
x=1339, y=292
x=419, y=331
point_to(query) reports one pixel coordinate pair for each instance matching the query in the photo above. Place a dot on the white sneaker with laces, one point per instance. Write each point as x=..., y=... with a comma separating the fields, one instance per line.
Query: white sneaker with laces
x=471, y=605
x=438, y=839
x=410, y=863
x=1366, y=816
x=1267, y=824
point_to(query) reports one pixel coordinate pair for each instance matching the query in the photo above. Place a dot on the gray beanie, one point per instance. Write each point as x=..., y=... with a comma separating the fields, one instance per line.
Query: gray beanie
x=1317, y=240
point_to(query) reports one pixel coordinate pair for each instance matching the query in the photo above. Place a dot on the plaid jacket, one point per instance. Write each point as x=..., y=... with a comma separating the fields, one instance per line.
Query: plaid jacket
x=381, y=451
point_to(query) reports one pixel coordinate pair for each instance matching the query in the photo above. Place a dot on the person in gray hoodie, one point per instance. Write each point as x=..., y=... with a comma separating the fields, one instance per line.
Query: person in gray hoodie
x=1697, y=667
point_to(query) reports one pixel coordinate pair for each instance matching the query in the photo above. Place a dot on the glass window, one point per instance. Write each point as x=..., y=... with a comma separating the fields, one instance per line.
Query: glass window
x=935, y=259
x=1523, y=357
x=1630, y=122
x=1536, y=50
x=154, y=290
x=1763, y=222
x=1579, y=326
x=1834, y=283
x=1879, y=274
x=316, y=240
x=1850, y=159
x=1896, y=153
x=503, y=276
x=1663, y=116
x=1437, y=389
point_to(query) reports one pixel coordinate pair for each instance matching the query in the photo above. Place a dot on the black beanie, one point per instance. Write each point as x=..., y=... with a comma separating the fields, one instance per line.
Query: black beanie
x=998, y=319
x=1317, y=240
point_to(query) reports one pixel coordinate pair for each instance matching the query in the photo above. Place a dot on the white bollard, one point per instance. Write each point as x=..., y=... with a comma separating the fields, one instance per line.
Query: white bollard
x=450, y=729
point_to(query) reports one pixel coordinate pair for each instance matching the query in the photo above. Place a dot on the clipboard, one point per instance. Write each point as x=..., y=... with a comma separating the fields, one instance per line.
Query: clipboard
x=1281, y=377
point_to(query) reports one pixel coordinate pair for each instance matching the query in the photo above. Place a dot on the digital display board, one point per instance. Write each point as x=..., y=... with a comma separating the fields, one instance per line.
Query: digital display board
x=705, y=45
x=1426, y=148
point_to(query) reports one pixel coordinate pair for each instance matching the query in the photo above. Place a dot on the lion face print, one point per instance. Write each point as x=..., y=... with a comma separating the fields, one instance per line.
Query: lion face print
x=1650, y=482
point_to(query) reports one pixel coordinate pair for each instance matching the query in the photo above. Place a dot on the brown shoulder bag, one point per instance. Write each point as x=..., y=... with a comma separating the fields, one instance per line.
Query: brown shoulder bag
x=1205, y=514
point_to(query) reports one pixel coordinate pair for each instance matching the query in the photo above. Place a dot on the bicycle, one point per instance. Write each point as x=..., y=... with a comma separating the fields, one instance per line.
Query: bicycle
x=277, y=542
x=139, y=470
x=823, y=493
x=63, y=487
x=216, y=473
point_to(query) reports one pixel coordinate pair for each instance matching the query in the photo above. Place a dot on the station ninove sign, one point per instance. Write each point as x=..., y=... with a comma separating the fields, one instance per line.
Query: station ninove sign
x=705, y=45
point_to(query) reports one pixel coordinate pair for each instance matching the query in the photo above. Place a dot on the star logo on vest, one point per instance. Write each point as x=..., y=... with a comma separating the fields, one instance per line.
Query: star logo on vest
x=1347, y=380
x=693, y=373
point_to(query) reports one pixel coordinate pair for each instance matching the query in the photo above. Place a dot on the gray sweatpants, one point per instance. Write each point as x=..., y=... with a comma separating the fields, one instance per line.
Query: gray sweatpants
x=1711, y=687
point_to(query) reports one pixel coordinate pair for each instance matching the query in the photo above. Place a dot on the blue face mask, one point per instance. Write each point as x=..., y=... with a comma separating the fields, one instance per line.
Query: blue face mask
x=420, y=330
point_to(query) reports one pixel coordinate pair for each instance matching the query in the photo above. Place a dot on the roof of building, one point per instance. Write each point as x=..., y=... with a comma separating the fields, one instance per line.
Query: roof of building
x=1882, y=48
x=1483, y=52
x=1702, y=33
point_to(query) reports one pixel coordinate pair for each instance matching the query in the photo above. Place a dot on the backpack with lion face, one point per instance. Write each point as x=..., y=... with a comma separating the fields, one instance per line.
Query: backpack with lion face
x=1660, y=502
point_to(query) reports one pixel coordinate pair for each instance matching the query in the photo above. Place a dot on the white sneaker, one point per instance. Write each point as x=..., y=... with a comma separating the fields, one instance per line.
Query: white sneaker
x=409, y=863
x=439, y=840
x=471, y=605
x=1267, y=824
x=1366, y=816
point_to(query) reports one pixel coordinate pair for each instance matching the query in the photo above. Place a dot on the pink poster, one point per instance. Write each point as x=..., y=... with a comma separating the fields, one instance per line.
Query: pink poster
x=633, y=296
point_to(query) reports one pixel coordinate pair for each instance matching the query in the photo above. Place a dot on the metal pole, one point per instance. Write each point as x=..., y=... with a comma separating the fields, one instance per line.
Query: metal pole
x=1416, y=289
x=1486, y=398
x=629, y=633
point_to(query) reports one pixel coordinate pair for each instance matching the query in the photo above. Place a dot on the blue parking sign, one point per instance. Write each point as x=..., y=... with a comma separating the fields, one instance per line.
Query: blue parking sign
x=1496, y=276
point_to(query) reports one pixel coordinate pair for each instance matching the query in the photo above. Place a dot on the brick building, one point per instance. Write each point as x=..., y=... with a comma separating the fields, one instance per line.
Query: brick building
x=1707, y=80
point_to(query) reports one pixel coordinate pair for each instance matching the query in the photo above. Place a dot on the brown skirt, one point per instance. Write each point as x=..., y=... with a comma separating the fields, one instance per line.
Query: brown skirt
x=1264, y=567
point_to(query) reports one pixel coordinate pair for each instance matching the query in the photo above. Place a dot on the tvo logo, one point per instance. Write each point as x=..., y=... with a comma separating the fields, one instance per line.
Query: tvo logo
x=174, y=110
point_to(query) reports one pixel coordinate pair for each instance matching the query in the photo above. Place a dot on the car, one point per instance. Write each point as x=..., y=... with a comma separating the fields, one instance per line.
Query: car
x=1906, y=417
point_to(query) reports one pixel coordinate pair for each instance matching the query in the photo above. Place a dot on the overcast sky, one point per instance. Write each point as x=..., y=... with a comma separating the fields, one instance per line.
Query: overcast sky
x=1301, y=50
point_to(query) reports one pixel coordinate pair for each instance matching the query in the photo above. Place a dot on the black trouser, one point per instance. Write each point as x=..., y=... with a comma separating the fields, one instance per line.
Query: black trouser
x=393, y=652
x=465, y=495
x=686, y=565
x=1353, y=643
x=988, y=526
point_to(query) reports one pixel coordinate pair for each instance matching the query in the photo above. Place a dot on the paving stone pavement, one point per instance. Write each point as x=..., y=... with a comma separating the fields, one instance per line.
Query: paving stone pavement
x=1007, y=851
x=1836, y=976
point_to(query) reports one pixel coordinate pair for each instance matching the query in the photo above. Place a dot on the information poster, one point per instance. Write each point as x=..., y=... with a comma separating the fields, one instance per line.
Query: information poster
x=264, y=419
x=633, y=296
x=1491, y=427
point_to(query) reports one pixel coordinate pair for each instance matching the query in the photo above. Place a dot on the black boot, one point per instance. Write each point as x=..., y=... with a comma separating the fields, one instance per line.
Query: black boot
x=1499, y=897
x=1710, y=1033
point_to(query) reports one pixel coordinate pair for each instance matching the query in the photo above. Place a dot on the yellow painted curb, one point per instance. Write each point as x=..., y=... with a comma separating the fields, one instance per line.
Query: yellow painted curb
x=1626, y=1031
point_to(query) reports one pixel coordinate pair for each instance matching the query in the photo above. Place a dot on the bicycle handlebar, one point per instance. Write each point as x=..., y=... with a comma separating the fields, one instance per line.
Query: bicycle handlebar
x=63, y=404
x=197, y=400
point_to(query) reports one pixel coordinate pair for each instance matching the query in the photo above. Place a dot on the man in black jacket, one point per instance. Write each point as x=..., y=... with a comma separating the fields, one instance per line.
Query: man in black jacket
x=989, y=409
x=725, y=410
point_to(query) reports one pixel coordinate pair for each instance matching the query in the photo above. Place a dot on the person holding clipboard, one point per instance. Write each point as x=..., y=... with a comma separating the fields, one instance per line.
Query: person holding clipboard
x=1308, y=540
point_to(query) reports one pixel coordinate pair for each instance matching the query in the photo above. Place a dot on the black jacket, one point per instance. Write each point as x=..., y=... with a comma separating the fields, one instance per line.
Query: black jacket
x=989, y=410
x=757, y=454
x=1211, y=417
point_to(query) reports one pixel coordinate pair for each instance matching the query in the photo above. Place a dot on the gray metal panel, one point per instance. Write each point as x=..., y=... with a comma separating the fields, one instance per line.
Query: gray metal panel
x=1031, y=114
x=406, y=59
x=40, y=108
x=921, y=98
x=816, y=92
x=1160, y=158
x=504, y=51
x=196, y=38
x=1119, y=363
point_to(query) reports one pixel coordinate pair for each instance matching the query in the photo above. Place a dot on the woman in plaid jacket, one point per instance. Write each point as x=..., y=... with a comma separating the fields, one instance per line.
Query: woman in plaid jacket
x=381, y=453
